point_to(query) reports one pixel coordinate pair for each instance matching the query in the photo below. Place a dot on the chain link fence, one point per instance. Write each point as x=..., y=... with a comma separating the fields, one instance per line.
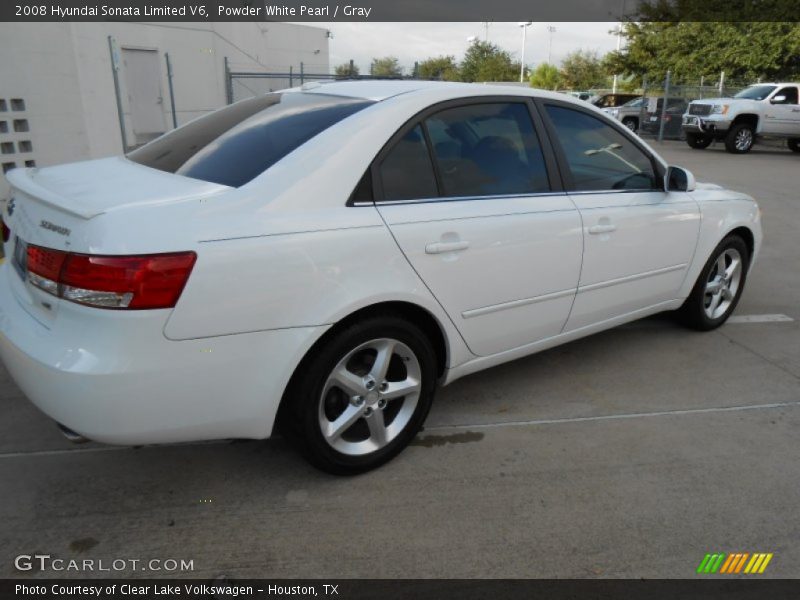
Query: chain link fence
x=660, y=119
x=240, y=84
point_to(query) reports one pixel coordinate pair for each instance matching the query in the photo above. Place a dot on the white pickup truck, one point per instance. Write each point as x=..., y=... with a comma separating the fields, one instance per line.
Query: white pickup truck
x=762, y=110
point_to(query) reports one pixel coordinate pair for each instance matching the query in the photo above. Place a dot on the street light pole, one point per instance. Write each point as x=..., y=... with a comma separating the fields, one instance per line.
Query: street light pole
x=619, y=44
x=551, y=30
x=524, y=27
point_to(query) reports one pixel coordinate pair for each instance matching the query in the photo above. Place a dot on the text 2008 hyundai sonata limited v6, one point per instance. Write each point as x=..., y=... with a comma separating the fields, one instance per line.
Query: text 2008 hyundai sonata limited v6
x=320, y=259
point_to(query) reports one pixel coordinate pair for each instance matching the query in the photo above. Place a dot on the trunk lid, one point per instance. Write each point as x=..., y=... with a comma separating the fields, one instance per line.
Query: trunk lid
x=93, y=187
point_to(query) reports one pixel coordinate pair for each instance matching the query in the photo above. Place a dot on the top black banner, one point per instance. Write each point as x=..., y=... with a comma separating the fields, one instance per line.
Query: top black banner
x=400, y=10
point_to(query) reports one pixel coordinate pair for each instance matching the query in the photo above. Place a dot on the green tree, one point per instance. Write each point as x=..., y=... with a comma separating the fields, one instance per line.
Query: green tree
x=387, y=66
x=745, y=51
x=546, y=77
x=345, y=70
x=485, y=61
x=440, y=67
x=583, y=70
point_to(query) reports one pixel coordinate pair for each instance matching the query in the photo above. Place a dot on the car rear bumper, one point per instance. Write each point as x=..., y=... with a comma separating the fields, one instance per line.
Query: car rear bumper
x=113, y=377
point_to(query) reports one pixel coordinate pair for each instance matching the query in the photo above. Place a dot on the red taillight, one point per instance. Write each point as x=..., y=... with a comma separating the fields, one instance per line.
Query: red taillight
x=133, y=282
x=6, y=233
x=45, y=263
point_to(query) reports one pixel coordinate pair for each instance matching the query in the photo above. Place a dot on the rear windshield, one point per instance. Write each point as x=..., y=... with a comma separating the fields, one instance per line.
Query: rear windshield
x=237, y=143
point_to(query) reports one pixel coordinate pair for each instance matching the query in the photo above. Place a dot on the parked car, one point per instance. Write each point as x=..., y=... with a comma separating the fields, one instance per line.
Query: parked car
x=672, y=119
x=320, y=259
x=760, y=111
x=613, y=100
x=629, y=114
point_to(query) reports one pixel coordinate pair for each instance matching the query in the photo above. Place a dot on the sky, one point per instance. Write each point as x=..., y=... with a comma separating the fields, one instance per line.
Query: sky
x=417, y=41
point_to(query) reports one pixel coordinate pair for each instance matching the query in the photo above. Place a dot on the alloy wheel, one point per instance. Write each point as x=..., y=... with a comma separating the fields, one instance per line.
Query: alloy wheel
x=723, y=283
x=370, y=396
x=744, y=139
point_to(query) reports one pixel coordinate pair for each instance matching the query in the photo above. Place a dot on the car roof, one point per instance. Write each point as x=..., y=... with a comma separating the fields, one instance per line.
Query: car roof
x=778, y=83
x=382, y=89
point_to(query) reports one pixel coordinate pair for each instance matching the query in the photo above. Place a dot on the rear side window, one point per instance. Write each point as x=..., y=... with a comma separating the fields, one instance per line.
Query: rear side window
x=407, y=171
x=487, y=150
x=235, y=144
x=600, y=157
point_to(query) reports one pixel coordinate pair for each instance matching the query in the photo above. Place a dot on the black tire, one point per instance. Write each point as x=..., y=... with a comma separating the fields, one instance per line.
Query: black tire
x=794, y=145
x=631, y=123
x=698, y=141
x=734, y=144
x=693, y=312
x=303, y=406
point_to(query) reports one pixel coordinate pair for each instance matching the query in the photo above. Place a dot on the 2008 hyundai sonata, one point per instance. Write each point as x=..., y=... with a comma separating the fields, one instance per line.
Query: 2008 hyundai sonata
x=322, y=258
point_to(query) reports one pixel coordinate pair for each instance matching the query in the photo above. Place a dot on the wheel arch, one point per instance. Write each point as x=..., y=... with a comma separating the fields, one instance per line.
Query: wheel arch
x=414, y=313
x=749, y=118
x=749, y=239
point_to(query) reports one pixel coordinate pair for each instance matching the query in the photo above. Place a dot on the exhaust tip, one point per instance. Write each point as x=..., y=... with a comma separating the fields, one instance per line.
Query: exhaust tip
x=72, y=436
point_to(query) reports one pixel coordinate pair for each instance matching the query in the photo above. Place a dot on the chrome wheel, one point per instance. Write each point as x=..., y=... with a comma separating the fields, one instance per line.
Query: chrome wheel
x=723, y=283
x=744, y=139
x=370, y=396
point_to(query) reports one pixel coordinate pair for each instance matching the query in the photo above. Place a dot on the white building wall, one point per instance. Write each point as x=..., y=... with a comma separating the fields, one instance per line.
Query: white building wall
x=63, y=73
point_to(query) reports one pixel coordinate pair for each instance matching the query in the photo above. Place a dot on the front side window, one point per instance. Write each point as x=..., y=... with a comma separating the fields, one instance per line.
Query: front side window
x=790, y=93
x=487, y=150
x=235, y=144
x=600, y=157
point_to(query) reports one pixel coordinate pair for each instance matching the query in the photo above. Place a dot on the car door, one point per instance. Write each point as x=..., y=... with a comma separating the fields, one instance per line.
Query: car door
x=783, y=117
x=470, y=195
x=638, y=239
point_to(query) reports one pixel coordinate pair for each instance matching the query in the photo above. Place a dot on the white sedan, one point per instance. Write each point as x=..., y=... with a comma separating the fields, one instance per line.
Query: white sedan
x=320, y=259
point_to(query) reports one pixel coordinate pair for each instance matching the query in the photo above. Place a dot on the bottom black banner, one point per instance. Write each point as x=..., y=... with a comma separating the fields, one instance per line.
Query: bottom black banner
x=418, y=589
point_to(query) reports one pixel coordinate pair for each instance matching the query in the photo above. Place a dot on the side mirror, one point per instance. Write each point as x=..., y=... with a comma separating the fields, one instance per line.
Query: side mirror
x=778, y=99
x=678, y=179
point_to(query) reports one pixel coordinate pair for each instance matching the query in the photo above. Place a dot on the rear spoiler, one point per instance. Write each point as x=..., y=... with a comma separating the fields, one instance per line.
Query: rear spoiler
x=22, y=180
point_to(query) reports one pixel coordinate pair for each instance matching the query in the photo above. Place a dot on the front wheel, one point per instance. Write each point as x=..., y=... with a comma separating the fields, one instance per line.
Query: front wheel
x=719, y=286
x=740, y=139
x=631, y=123
x=698, y=141
x=794, y=145
x=362, y=396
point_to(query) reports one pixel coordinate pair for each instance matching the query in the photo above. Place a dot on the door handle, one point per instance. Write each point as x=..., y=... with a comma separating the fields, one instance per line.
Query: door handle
x=595, y=229
x=442, y=247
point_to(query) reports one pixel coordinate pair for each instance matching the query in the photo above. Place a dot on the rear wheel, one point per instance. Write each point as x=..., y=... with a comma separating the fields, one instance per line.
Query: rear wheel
x=794, y=145
x=363, y=396
x=698, y=141
x=719, y=286
x=740, y=139
x=631, y=123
